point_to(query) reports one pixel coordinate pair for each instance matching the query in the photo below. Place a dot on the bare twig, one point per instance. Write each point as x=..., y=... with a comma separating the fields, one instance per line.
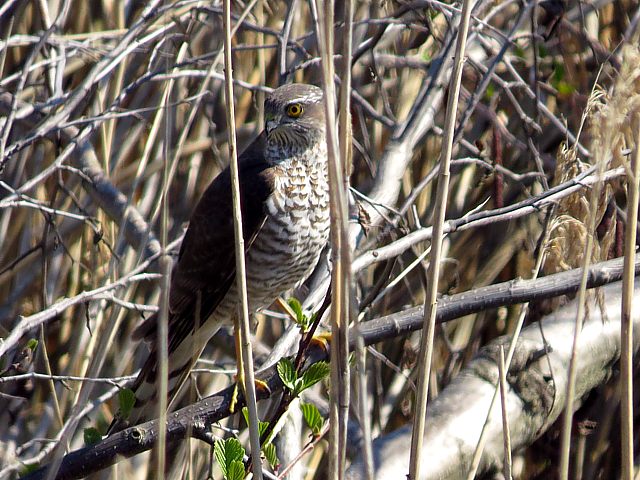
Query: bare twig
x=627, y=350
x=502, y=371
x=27, y=324
x=475, y=220
x=430, y=304
x=341, y=273
x=212, y=409
x=246, y=355
x=565, y=439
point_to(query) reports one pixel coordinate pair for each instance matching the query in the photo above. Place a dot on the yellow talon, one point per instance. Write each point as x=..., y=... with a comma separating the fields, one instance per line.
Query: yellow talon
x=262, y=388
x=322, y=340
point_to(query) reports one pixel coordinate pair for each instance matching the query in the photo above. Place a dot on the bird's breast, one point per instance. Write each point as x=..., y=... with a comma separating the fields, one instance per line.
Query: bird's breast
x=296, y=230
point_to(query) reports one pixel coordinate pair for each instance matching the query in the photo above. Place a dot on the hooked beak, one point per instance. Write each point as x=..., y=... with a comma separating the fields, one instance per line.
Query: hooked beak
x=271, y=123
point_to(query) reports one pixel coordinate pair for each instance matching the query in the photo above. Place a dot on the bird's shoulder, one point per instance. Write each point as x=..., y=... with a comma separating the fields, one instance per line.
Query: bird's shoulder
x=212, y=218
x=207, y=256
x=206, y=262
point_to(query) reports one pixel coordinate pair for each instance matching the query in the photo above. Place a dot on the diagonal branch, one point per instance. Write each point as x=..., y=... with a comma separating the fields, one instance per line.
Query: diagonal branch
x=198, y=417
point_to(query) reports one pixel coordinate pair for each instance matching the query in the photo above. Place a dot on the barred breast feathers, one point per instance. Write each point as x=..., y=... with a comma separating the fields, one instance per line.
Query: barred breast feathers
x=297, y=227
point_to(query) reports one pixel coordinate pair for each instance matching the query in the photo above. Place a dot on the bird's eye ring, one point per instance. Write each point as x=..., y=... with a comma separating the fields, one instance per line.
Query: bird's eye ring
x=294, y=110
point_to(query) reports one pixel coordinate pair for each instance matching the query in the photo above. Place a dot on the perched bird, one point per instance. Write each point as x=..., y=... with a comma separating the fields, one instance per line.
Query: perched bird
x=285, y=215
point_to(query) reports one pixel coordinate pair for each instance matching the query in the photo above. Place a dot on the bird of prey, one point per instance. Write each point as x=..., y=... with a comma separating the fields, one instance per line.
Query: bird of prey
x=284, y=195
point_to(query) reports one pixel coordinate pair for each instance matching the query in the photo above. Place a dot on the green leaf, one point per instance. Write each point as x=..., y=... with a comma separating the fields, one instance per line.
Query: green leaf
x=287, y=373
x=314, y=374
x=32, y=344
x=245, y=414
x=559, y=82
x=236, y=471
x=229, y=454
x=312, y=417
x=558, y=72
x=490, y=91
x=91, y=436
x=301, y=319
x=126, y=400
x=262, y=426
x=26, y=469
x=565, y=88
x=542, y=50
x=296, y=306
x=269, y=451
x=221, y=456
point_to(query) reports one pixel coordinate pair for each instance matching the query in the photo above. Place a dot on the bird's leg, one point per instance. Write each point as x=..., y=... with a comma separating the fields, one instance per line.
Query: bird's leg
x=240, y=378
x=321, y=340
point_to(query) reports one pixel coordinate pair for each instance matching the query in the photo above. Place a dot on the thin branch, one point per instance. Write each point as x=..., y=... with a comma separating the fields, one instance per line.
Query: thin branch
x=340, y=250
x=27, y=324
x=626, y=323
x=212, y=409
x=430, y=303
x=65, y=378
x=346, y=152
x=475, y=220
x=567, y=417
x=242, y=323
x=502, y=371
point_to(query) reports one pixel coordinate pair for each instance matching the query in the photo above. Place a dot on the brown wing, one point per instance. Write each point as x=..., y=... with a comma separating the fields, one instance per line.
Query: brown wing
x=206, y=262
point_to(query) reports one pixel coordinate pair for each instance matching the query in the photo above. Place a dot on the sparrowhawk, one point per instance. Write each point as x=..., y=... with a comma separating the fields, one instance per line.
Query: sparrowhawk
x=284, y=195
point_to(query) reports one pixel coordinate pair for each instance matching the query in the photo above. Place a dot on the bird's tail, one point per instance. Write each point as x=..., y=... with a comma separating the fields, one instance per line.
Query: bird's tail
x=180, y=361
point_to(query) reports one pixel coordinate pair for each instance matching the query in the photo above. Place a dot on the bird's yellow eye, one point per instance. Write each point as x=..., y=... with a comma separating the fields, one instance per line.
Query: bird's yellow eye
x=294, y=110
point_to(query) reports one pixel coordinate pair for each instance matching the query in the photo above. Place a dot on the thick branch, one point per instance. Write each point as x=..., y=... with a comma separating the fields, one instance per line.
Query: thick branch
x=536, y=393
x=197, y=417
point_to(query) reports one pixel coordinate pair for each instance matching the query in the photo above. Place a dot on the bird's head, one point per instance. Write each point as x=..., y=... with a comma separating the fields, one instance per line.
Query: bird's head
x=294, y=115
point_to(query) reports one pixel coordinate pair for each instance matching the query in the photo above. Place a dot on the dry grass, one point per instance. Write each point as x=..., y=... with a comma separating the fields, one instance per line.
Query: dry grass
x=93, y=109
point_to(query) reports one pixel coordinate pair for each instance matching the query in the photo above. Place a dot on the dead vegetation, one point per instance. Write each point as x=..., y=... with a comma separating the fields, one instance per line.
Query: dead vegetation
x=103, y=103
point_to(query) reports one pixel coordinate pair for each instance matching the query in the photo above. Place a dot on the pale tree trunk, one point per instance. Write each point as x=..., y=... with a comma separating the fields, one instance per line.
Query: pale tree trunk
x=535, y=395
